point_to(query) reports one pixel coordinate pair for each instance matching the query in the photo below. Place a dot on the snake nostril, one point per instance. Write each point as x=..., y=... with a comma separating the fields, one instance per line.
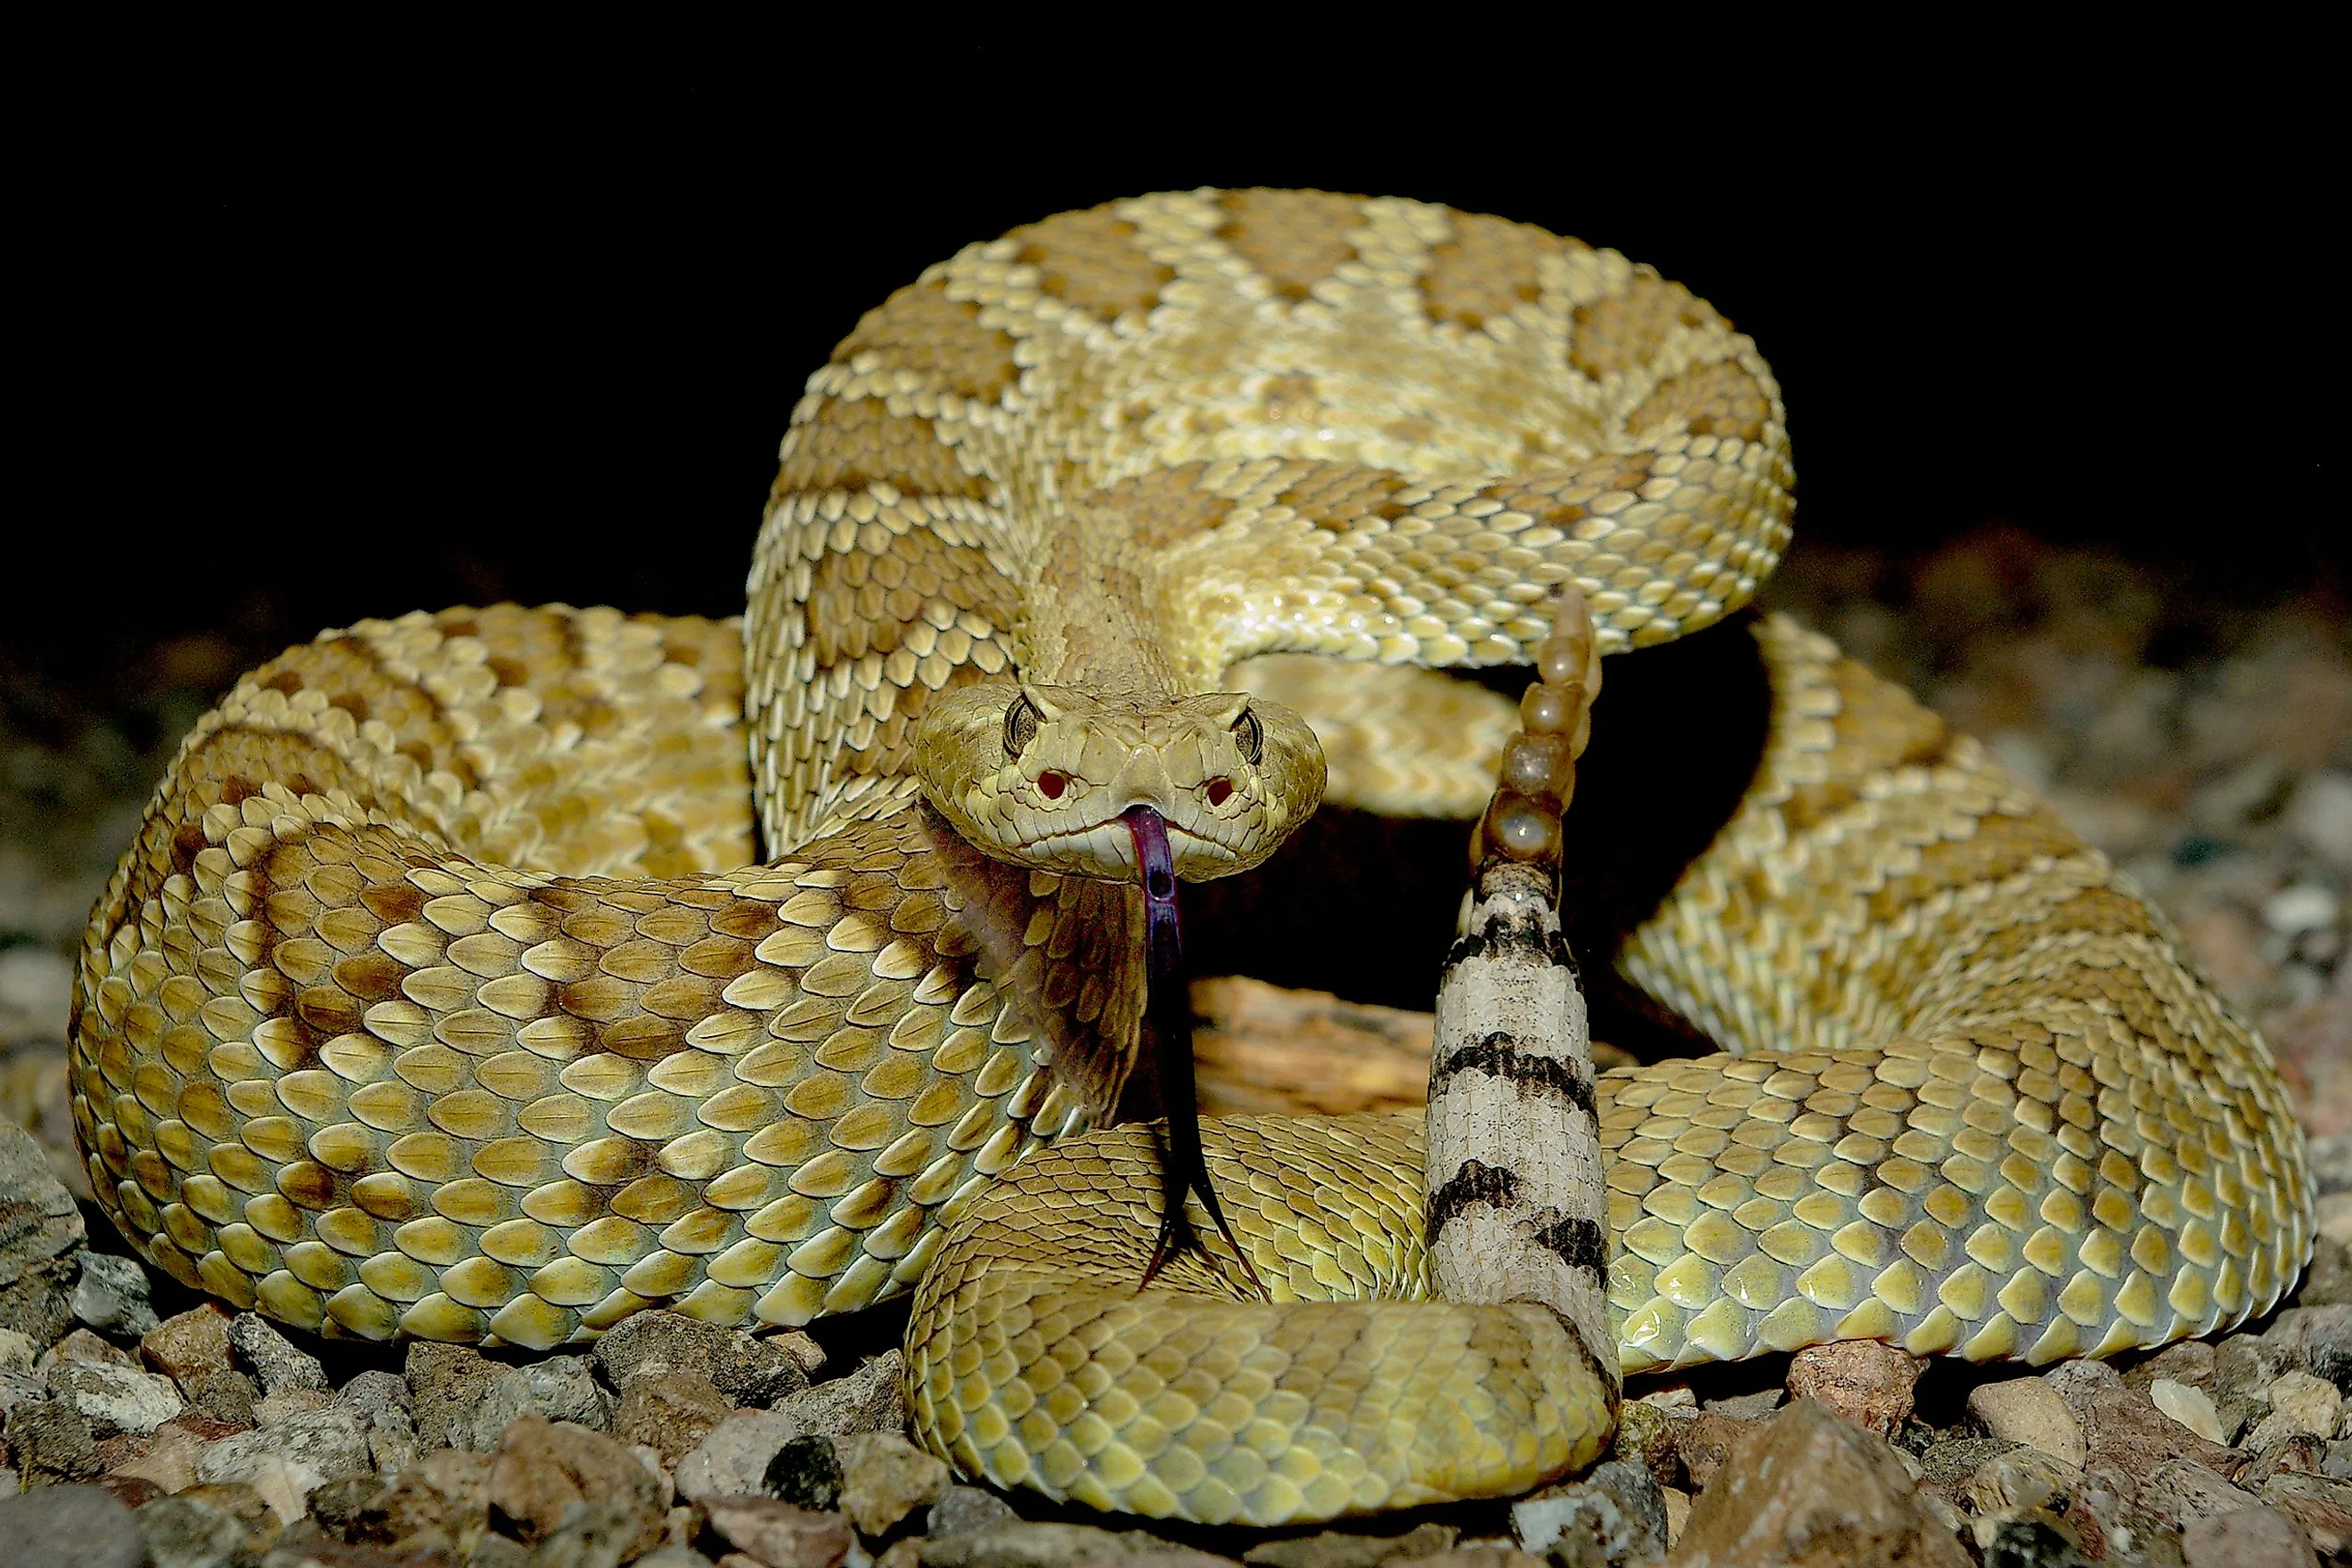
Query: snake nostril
x=1221, y=790
x=1052, y=783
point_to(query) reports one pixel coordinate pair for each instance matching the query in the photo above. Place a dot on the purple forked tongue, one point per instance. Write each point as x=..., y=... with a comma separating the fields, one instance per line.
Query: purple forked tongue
x=1168, y=1029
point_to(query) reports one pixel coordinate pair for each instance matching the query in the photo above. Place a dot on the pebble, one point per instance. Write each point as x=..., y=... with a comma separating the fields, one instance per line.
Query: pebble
x=112, y=1295
x=1809, y=1487
x=189, y=1342
x=1023, y=1544
x=462, y=1399
x=2300, y=1405
x=2029, y=1411
x=883, y=1478
x=39, y=1228
x=17, y=1353
x=2022, y=1479
x=543, y=1469
x=1868, y=1382
x=670, y=1412
x=1350, y=1549
x=2322, y=1508
x=2248, y=1537
x=272, y=1358
x=2192, y=1408
x=438, y=1504
x=732, y=1459
x=70, y=1527
x=564, y=1388
x=1647, y=1433
x=185, y=1533
x=287, y=1461
x=807, y=1472
x=2304, y=907
x=749, y=1371
x=170, y=1460
x=961, y=1509
x=780, y=1535
x=1616, y=1514
x=115, y=1398
x=2319, y=813
x=51, y=1442
x=1703, y=1440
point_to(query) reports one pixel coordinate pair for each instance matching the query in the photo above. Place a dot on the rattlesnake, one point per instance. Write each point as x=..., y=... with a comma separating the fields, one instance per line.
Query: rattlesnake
x=445, y=991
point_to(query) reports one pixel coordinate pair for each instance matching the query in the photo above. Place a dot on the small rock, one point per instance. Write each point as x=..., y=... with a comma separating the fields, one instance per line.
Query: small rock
x=543, y=1467
x=2249, y=1538
x=1948, y=1464
x=2305, y=906
x=1809, y=1487
x=2029, y=1538
x=1867, y=1382
x=2329, y=1281
x=460, y=1398
x=337, y=1505
x=749, y=1371
x=439, y=1504
x=83, y=1345
x=674, y=1557
x=601, y=1532
x=1703, y=1442
x=2020, y=1480
x=70, y=1527
x=1342, y=1549
x=884, y=1478
x=781, y=1535
x=1747, y=1407
x=1680, y=1399
x=372, y=1394
x=2317, y=1340
x=1615, y=1515
x=115, y=1398
x=2322, y=1508
x=51, y=1443
x=183, y=1533
x=2192, y=1408
x=732, y=1459
x=1027, y=1545
x=272, y=1358
x=1645, y=1434
x=170, y=1460
x=2189, y=1362
x=805, y=1472
x=871, y=1399
x=276, y=1407
x=2319, y=812
x=188, y=1345
x=16, y=1351
x=961, y=1509
x=2027, y=1410
x=670, y=1412
x=287, y=1461
x=563, y=1388
x=2300, y=1404
x=111, y=1296
x=39, y=1228
x=2300, y=1454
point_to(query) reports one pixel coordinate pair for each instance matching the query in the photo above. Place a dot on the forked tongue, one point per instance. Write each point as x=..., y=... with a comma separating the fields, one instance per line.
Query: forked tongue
x=1168, y=1026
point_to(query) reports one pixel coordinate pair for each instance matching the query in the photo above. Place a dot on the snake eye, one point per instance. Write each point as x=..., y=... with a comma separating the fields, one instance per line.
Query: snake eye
x=1251, y=736
x=1020, y=726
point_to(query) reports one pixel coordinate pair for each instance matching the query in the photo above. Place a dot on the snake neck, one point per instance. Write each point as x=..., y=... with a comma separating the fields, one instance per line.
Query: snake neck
x=1089, y=620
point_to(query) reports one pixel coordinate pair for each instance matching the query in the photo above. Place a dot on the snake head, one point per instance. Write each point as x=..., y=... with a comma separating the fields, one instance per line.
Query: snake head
x=1040, y=775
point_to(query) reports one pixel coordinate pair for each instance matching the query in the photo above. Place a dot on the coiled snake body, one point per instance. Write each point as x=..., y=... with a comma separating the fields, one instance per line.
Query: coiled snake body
x=445, y=991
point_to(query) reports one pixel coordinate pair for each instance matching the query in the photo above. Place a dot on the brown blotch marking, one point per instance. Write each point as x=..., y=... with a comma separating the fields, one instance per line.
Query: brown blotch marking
x=370, y=975
x=457, y=624
x=1877, y=727
x=1487, y=269
x=1162, y=507
x=1089, y=259
x=236, y=789
x=1298, y=239
x=286, y=682
x=353, y=703
x=1622, y=331
x=1539, y=495
x=859, y=603
x=846, y=445
x=2001, y=846
x=508, y=671
x=309, y=1185
x=1338, y=496
x=188, y=841
x=1720, y=399
x=920, y=329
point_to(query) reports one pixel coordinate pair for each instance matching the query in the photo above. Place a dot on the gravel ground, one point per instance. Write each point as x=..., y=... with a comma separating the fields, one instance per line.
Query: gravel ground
x=2202, y=739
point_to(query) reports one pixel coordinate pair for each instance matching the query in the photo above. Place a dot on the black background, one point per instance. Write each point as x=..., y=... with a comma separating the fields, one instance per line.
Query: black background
x=303, y=355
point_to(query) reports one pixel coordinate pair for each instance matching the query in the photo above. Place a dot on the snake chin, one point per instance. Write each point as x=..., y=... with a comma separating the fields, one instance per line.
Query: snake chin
x=1040, y=776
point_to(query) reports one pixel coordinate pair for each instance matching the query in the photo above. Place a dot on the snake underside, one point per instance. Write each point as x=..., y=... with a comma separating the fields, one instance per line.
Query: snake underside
x=451, y=988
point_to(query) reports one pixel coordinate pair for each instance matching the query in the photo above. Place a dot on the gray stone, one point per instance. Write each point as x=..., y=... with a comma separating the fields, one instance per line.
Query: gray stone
x=370, y=1394
x=732, y=1459
x=289, y=1460
x=2329, y=1281
x=961, y=1510
x=39, y=1228
x=184, y=1533
x=674, y=1557
x=115, y=1398
x=111, y=1296
x=2021, y=1481
x=1646, y=1434
x=17, y=1353
x=2249, y=1538
x=1025, y=1545
x=338, y=1504
x=438, y=1504
x=273, y=1358
x=781, y=1535
x=21, y=1388
x=884, y=1478
x=80, y=1344
x=2301, y=1404
x=1615, y=1516
x=70, y=1527
x=460, y=1398
x=2322, y=1508
x=2317, y=1340
x=563, y=1388
x=51, y=1442
x=871, y=1399
x=545, y=1467
x=597, y=1532
x=749, y=1371
x=2245, y=1367
x=1747, y=1407
x=806, y=1472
